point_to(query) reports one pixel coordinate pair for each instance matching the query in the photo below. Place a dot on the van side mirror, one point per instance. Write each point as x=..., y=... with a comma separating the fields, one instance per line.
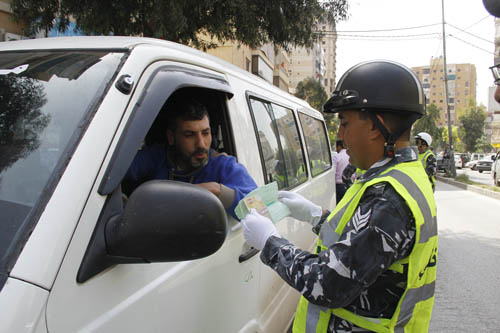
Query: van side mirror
x=493, y=157
x=163, y=221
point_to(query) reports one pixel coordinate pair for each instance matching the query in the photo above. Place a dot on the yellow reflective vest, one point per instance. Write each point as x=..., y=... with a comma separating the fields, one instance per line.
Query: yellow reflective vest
x=413, y=312
x=423, y=157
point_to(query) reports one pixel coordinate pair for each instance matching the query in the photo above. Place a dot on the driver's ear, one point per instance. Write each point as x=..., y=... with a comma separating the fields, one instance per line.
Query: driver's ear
x=170, y=137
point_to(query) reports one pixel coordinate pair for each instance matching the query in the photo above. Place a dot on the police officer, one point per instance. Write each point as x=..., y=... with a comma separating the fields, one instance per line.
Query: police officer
x=493, y=7
x=426, y=156
x=374, y=267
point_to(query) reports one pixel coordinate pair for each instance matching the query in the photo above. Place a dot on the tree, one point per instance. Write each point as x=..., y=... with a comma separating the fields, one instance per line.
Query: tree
x=313, y=92
x=286, y=24
x=21, y=118
x=428, y=124
x=472, y=126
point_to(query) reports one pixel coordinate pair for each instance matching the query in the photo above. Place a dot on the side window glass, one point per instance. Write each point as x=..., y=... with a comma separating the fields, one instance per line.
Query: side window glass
x=269, y=145
x=317, y=144
x=295, y=169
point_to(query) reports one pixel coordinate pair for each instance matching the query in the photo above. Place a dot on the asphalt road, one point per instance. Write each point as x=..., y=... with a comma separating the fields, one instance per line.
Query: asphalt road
x=483, y=178
x=468, y=281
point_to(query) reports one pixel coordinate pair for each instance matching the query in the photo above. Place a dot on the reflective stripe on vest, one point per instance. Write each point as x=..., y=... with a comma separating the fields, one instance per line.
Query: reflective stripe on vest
x=421, y=277
x=424, y=156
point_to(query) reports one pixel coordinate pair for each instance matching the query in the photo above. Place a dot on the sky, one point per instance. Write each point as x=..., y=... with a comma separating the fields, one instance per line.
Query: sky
x=464, y=18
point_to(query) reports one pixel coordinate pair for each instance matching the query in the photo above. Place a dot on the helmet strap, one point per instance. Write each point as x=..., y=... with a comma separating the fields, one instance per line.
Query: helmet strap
x=390, y=138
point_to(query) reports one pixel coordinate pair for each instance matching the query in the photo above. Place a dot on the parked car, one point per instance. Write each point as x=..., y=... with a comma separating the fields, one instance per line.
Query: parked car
x=495, y=169
x=441, y=162
x=76, y=254
x=461, y=159
x=484, y=164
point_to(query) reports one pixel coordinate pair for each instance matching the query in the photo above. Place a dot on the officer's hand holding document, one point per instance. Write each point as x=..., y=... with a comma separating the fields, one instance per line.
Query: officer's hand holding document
x=265, y=201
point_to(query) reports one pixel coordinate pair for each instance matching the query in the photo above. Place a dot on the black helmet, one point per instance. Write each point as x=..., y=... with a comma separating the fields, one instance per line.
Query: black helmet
x=378, y=85
x=493, y=7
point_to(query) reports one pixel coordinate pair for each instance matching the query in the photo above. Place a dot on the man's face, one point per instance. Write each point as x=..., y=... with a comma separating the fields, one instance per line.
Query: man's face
x=192, y=140
x=421, y=145
x=353, y=131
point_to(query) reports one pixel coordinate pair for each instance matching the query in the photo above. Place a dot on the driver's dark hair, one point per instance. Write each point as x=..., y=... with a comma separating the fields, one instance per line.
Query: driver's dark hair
x=181, y=105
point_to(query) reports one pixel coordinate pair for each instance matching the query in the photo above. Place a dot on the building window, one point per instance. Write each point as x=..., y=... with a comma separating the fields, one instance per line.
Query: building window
x=440, y=101
x=426, y=71
x=466, y=83
x=451, y=100
x=459, y=70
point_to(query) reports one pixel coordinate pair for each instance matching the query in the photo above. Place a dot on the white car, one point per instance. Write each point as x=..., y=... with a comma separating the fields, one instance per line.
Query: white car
x=75, y=255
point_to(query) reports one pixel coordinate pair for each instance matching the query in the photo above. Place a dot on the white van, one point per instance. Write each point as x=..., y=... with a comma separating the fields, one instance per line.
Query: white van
x=75, y=255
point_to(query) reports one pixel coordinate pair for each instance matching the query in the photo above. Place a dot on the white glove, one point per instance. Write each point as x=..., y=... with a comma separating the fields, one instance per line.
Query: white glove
x=257, y=229
x=301, y=208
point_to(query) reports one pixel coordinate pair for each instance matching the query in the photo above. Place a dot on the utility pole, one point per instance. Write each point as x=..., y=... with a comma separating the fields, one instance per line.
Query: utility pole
x=453, y=171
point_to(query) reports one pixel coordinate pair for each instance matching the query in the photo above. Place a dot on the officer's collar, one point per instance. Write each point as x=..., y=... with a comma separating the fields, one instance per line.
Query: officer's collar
x=406, y=154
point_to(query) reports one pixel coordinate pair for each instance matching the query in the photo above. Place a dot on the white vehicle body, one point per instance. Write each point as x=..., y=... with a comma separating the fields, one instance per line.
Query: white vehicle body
x=217, y=293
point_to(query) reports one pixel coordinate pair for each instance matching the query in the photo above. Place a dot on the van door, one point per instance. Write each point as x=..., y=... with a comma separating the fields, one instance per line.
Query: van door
x=214, y=294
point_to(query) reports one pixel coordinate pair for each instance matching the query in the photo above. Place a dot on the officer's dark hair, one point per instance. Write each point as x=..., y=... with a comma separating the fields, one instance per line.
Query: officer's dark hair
x=183, y=107
x=339, y=143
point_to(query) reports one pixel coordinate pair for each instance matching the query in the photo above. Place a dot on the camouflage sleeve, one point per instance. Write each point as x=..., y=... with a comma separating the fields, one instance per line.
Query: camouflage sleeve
x=381, y=231
x=431, y=166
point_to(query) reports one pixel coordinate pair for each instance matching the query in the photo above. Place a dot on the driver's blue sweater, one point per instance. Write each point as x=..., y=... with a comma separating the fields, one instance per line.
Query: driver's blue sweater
x=151, y=163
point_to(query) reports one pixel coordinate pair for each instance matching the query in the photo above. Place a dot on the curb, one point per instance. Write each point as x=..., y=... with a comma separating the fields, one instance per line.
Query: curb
x=480, y=190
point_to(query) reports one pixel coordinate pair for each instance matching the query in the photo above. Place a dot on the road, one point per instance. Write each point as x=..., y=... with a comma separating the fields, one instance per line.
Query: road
x=483, y=178
x=468, y=281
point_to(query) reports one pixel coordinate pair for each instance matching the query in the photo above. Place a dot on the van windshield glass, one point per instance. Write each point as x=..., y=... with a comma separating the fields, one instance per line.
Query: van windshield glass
x=46, y=99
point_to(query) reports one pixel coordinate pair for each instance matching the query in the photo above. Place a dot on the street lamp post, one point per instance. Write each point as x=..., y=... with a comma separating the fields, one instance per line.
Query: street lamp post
x=450, y=133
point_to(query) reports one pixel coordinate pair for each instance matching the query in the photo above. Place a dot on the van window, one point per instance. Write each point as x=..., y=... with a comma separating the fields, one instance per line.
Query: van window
x=317, y=144
x=279, y=144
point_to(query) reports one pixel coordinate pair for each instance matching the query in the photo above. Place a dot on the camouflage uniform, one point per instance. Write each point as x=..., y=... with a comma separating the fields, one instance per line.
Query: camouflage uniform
x=353, y=272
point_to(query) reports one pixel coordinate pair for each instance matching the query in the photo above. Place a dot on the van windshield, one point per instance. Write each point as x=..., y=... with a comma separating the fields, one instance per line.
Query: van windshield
x=46, y=100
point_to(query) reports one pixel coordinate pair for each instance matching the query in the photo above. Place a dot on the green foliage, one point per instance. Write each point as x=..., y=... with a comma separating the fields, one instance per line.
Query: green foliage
x=21, y=118
x=428, y=124
x=313, y=92
x=472, y=126
x=286, y=24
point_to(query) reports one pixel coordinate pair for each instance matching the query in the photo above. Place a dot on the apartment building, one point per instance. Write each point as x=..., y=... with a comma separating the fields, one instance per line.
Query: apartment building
x=267, y=61
x=9, y=30
x=461, y=87
x=317, y=62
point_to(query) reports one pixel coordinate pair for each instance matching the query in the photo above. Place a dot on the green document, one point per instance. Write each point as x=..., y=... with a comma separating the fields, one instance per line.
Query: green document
x=265, y=200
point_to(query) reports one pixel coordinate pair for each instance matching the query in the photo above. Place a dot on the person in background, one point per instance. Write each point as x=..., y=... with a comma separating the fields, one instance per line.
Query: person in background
x=374, y=266
x=188, y=156
x=340, y=160
x=426, y=156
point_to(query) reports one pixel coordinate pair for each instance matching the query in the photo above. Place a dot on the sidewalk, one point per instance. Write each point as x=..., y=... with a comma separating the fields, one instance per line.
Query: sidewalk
x=477, y=189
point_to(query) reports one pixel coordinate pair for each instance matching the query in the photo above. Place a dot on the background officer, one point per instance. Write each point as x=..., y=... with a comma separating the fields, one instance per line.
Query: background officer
x=374, y=267
x=426, y=156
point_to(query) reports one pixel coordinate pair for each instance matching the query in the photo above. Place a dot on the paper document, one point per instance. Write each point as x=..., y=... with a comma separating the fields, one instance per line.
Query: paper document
x=265, y=201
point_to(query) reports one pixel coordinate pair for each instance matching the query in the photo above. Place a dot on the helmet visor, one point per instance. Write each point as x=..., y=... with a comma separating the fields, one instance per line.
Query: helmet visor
x=495, y=70
x=341, y=99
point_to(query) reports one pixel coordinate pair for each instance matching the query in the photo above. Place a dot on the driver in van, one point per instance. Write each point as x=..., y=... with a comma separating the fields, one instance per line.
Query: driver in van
x=374, y=266
x=188, y=156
